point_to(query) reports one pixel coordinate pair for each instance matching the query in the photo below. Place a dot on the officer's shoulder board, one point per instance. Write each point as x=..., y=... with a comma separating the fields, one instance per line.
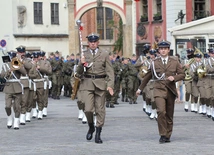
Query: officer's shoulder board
x=174, y=57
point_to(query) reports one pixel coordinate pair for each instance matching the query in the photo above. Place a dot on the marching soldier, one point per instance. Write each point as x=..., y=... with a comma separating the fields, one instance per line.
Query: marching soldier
x=97, y=67
x=188, y=82
x=25, y=81
x=38, y=80
x=165, y=71
x=46, y=70
x=13, y=89
x=210, y=74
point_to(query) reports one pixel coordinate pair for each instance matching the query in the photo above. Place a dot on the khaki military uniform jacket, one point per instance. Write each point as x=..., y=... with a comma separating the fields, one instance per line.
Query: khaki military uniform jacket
x=27, y=62
x=173, y=68
x=101, y=66
x=12, y=85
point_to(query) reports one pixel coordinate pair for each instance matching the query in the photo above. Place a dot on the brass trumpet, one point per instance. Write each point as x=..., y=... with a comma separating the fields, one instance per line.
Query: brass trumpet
x=188, y=77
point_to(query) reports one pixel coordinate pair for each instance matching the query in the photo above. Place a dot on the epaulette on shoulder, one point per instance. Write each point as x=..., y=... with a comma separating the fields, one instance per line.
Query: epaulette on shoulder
x=174, y=57
x=157, y=58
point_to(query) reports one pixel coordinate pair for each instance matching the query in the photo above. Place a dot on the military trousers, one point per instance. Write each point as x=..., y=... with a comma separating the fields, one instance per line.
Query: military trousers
x=165, y=111
x=13, y=100
x=95, y=102
x=24, y=102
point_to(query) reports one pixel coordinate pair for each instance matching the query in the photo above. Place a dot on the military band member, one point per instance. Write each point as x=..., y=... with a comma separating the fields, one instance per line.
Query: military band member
x=37, y=78
x=25, y=81
x=46, y=70
x=94, y=84
x=210, y=74
x=165, y=71
x=188, y=82
x=195, y=86
x=13, y=89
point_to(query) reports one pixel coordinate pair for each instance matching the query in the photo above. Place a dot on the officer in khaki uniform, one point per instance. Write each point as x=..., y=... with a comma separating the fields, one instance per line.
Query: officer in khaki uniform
x=13, y=90
x=97, y=67
x=165, y=71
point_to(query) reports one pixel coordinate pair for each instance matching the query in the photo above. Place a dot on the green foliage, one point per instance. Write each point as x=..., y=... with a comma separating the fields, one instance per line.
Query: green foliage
x=118, y=45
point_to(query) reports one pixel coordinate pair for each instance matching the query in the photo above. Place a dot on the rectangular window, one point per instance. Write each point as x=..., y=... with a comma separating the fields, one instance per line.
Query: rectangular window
x=109, y=18
x=159, y=7
x=199, y=11
x=100, y=22
x=38, y=13
x=145, y=8
x=55, y=13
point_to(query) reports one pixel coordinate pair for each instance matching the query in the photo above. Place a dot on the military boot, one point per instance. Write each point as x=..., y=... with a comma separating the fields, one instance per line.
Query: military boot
x=127, y=100
x=97, y=136
x=91, y=130
x=122, y=99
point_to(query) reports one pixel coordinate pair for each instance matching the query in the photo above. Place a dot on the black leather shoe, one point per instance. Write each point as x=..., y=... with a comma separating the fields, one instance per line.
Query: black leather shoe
x=27, y=120
x=162, y=140
x=116, y=103
x=16, y=128
x=167, y=140
x=127, y=100
x=22, y=123
x=186, y=110
x=122, y=100
x=107, y=104
x=44, y=115
x=209, y=116
x=39, y=118
x=58, y=98
x=130, y=102
x=97, y=136
x=9, y=126
x=134, y=102
x=112, y=106
x=213, y=118
x=91, y=130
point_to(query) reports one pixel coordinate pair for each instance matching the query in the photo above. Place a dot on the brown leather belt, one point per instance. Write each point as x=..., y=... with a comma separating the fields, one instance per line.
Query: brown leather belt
x=95, y=76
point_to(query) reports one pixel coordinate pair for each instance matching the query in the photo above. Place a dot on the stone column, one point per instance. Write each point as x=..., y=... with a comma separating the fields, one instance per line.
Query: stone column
x=73, y=29
x=127, y=31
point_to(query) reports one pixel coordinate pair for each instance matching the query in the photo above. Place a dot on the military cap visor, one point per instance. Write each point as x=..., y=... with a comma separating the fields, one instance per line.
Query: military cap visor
x=198, y=55
x=93, y=37
x=11, y=54
x=20, y=49
x=152, y=51
x=190, y=50
x=164, y=44
x=36, y=54
x=42, y=54
x=211, y=50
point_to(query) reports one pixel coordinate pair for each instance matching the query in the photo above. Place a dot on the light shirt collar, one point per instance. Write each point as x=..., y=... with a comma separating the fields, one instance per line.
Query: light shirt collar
x=94, y=50
x=166, y=58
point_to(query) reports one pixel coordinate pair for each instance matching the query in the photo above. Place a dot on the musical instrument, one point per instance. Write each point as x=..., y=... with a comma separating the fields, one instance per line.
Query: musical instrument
x=16, y=63
x=188, y=77
x=144, y=68
x=201, y=70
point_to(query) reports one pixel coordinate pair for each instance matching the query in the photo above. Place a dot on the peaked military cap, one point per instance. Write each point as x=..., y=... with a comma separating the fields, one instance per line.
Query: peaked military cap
x=206, y=55
x=93, y=37
x=21, y=49
x=36, y=54
x=147, y=46
x=211, y=50
x=153, y=51
x=164, y=43
x=42, y=53
x=11, y=54
x=28, y=55
x=198, y=55
x=190, y=50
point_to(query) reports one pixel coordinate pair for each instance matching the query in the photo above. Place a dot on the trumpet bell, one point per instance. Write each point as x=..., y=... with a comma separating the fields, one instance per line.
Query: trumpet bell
x=201, y=72
x=16, y=63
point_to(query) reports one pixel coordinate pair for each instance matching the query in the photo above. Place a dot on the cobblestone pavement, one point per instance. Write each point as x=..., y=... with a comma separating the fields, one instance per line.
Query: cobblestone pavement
x=127, y=131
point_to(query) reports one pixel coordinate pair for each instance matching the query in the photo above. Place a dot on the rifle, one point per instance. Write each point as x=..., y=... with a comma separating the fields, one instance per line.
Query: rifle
x=76, y=78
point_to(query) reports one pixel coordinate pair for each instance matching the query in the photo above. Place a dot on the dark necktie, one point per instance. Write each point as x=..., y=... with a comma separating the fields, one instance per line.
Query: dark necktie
x=164, y=63
x=93, y=53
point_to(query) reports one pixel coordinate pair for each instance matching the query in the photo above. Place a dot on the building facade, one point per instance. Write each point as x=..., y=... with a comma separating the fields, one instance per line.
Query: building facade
x=157, y=18
x=38, y=25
